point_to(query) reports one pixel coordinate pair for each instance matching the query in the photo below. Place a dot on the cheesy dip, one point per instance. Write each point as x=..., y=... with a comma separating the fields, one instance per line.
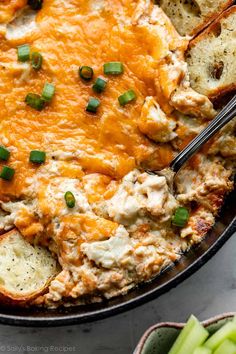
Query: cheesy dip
x=94, y=95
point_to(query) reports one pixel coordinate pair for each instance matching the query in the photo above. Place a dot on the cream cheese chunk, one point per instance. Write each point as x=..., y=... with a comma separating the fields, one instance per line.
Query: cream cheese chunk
x=110, y=253
x=140, y=194
x=22, y=25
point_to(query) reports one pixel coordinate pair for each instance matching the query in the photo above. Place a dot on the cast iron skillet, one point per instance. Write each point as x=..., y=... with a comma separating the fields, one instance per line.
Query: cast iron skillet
x=224, y=228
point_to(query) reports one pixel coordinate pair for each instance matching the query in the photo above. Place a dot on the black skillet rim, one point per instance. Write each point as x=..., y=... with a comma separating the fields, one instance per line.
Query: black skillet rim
x=63, y=317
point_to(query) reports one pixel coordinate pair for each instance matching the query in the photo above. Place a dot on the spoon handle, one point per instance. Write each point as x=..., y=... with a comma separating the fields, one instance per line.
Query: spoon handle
x=227, y=113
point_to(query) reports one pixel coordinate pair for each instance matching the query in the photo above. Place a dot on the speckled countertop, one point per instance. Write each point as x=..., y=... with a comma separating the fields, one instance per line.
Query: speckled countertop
x=210, y=291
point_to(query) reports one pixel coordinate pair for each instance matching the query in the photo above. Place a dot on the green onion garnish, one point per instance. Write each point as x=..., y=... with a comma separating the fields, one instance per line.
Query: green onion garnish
x=127, y=97
x=35, y=101
x=113, y=68
x=70, y=199
x=93, y=105
x=23, y=52
x=99, y=85
x=4, y=153
x=7, y=173
x=48, y=92
x=35, y=4
x=86, y=73
x=36, y=60
x=37, y=156
x=181, y=217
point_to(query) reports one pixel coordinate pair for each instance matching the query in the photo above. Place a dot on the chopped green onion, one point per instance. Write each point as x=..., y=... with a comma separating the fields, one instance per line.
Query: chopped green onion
x=23, y=52
x=86, y=73
x=70, y=199
x=36, y=60
x=35, y=4
x=48, y=92
x=99, y=85
x=113, y=68
x=93, y=105
x=37, y=156
x=35, y=101
x=4, y=153
x=181, y=217
x=7, y=173
x=127, y=97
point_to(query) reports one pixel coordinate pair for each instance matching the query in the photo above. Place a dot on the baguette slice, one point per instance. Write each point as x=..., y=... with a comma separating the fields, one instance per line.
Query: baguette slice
x=25, y=270
x=211, y=57
x=191, y=16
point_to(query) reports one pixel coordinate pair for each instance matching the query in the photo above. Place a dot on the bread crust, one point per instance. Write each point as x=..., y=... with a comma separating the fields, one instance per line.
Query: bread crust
x=219, y=92
x=183, y=26
x=210, y=19
x=212, y=26
x=222, y=92
x=9, y=298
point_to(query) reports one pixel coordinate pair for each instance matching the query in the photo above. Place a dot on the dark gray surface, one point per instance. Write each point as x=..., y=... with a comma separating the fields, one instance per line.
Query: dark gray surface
x=208, y=292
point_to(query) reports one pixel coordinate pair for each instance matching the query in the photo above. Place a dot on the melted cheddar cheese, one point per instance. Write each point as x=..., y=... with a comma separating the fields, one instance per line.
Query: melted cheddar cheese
x=70, y=34
x=96, y=156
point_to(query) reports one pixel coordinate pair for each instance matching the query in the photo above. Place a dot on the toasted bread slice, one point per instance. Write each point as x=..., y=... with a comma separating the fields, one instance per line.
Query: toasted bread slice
x=191, y=16
x=211, y=57
x=25, y=270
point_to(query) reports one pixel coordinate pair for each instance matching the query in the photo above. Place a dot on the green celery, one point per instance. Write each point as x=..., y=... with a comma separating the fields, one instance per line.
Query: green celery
x=228, y=331
x=202, y=350
x=227, y=347
x=192, y=336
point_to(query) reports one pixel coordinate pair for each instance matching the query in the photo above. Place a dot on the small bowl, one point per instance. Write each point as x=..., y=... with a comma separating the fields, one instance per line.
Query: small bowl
x=159, y=338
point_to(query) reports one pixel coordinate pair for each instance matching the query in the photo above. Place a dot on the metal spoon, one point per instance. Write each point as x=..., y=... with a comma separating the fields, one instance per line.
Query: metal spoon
x=222, y=118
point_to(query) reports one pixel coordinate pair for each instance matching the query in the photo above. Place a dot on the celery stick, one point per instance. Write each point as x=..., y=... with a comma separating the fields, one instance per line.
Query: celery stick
x=228, y=331
x=196, y=338
x=227, y=347
x=183, y=335
x=202, y=350
x=192, y=336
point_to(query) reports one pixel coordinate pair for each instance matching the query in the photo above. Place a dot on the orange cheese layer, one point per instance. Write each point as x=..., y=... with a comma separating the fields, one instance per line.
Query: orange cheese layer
x=70, y=34
x=9, y=7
